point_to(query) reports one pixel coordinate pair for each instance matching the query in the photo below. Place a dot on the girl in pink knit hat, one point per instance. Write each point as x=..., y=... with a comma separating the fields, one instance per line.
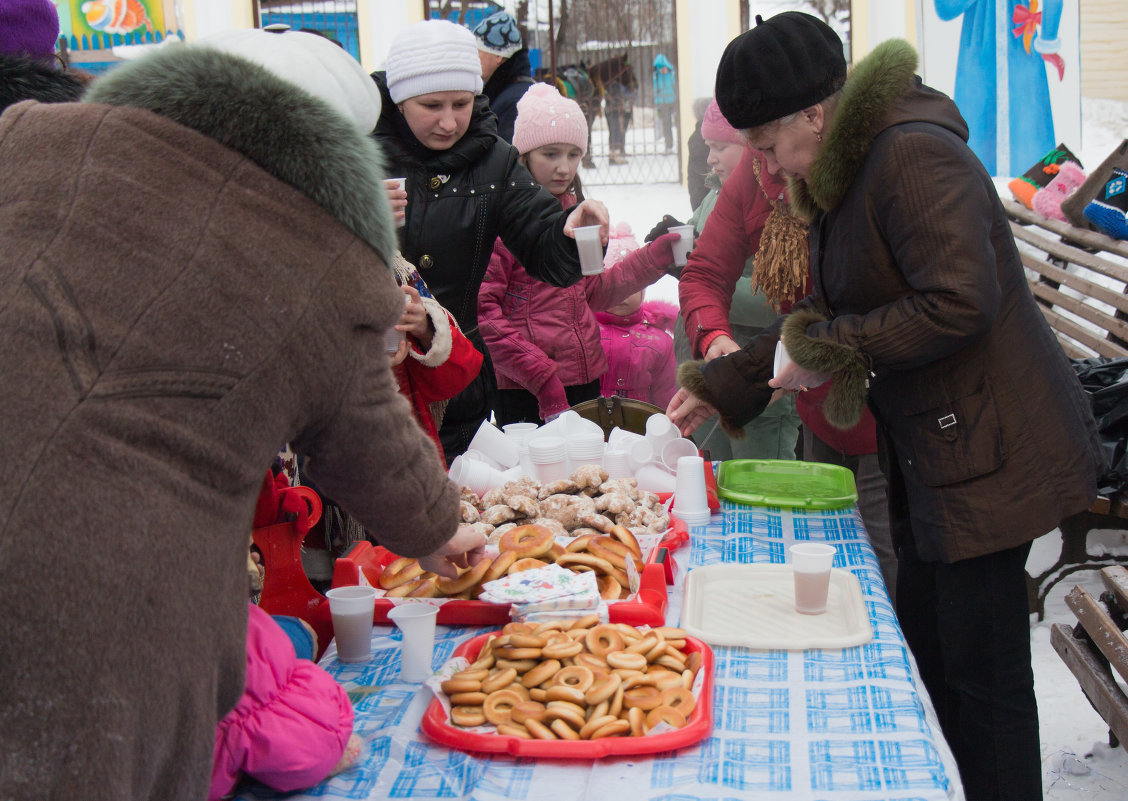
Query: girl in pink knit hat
x=544, y=341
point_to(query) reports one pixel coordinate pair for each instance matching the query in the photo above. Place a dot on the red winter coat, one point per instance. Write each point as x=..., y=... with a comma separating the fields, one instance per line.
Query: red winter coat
x=732, y=236
x=543, y=338
x=640, y=353
x=438, y=374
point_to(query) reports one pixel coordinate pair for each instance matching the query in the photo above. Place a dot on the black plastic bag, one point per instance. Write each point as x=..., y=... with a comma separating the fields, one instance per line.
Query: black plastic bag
x=1105, y=382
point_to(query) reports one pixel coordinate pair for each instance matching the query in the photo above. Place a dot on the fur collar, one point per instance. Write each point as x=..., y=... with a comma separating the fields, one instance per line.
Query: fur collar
x=871, y=90
x=294, y=136
x=28, y=79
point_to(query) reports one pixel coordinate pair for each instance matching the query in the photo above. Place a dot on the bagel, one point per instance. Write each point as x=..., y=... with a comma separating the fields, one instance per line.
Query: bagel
x=562, y=692
x=577, y=677
x=514, y=730
x=642, y=696
x=427, y=586
x=624, y=535
x=500, y=566
x=541, y=673
x=539, y=730
x=562, y=650
x=526, y=710
x=455, y=685
x=573, y=560
x=562, y=730
x=570, y=713
x=399, y=572
x=604, y=639
x=680, y=699
x=616, y=728
x=468, y=699
x=467, y=716
x=498, y=706
x=626, y=660
x=593, y=724
x=585, y=622
x=404, y=590
x=664, y=714
x=579, y=543
x=526, y=564
x=498, y=678
x=528, y=541
x=637, y=718
x=465, y=580
x=602, y=690
x=609, y=588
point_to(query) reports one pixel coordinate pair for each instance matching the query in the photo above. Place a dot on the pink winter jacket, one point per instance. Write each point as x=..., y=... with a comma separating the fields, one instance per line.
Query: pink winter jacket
x=292, y=723
x=543, y=338
x=640, y=353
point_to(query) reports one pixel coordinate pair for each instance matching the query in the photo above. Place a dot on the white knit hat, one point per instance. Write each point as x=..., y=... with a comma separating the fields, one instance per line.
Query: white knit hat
x=433, y=56
x=312, y=62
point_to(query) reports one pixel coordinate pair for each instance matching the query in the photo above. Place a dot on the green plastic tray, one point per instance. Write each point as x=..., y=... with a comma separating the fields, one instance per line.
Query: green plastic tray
x=780, y=482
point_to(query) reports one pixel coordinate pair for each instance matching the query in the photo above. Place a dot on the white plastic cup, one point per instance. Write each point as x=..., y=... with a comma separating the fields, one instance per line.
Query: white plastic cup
x=478, y=456
x=620, y=439
x=519, y=432
x=811, y=563
x=782, y=359
x=682, y=247
x=416, y=621
x=654, y=479
x=590, y=248
x=660, y=430
x=479, y=476
x=549, y=457
x=674, y=450
x=392, y=337
x=491, y=441
x=617, y=464
x=351, y=609
x=641, y=454
x=585, y=448
x=400, y=184
x=690, y=499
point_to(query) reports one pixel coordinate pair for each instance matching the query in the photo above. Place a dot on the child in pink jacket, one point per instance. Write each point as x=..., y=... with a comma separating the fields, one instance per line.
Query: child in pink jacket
x=638, y=341
x=544, y=340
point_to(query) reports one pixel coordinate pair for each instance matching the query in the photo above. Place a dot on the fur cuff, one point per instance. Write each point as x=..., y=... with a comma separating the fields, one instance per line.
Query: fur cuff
x=691, y=378
x=846, y=399
x=440, y=341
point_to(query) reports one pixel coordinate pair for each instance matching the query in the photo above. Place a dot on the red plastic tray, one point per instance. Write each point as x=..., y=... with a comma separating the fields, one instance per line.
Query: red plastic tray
x=436, y=726
x=647, y=608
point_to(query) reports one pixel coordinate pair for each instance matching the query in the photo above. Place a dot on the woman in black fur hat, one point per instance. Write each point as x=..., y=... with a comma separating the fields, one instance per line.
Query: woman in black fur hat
x=921, y=310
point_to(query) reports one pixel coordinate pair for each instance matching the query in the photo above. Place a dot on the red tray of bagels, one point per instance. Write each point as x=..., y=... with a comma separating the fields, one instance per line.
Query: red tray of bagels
x=646, y=608
x=563, y=741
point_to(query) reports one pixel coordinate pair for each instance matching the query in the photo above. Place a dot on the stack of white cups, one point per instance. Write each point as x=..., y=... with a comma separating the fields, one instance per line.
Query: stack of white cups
x=491, y=442
x=691, y=504
x=585, y=447
x=549, y=458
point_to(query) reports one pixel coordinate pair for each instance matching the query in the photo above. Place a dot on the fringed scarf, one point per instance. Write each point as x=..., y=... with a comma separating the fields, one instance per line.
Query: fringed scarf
x=782, y=263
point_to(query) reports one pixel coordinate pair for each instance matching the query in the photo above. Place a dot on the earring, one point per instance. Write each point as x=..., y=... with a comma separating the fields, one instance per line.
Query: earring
x=818, y=136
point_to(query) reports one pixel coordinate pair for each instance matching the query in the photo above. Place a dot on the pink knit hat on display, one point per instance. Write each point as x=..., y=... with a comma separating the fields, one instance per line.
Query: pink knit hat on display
x=714, y=126
x=545, y=117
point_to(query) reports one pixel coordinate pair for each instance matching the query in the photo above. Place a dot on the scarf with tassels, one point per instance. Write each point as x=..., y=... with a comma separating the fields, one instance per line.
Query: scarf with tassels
x=782, y=262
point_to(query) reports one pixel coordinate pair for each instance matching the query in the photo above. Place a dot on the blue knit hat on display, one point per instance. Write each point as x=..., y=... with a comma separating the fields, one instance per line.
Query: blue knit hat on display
x=498, y=34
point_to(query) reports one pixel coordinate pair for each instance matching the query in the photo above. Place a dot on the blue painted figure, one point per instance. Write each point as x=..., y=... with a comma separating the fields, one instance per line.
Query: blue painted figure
x=1007, y=104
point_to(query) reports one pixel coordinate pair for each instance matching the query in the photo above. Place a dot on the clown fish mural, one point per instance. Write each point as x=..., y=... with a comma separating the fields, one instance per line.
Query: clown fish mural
x=116, y=16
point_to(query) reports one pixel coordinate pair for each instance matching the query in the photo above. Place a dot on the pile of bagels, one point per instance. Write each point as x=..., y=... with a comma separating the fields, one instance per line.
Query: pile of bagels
x=581, y=680
x=524, y=548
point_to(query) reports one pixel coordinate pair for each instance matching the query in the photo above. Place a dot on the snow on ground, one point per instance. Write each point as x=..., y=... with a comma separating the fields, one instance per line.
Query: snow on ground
x=1077, y=761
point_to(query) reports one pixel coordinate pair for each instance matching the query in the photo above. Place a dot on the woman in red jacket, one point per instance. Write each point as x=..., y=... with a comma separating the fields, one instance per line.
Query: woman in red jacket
x=751, y=219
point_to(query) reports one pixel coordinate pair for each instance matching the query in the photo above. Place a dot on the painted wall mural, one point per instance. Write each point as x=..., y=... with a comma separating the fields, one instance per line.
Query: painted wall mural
x=1015, y=77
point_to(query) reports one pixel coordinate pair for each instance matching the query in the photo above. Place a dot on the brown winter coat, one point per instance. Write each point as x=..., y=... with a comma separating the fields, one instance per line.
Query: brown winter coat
x=989, y=437
x=171, y=313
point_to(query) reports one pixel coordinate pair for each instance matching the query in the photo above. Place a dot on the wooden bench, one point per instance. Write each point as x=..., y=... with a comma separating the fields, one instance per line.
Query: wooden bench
x=1097, y=647
x=1079, y=279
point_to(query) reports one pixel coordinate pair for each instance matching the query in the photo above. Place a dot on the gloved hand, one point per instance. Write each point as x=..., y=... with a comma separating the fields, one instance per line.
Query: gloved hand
x=661, y=253
x=665, y=225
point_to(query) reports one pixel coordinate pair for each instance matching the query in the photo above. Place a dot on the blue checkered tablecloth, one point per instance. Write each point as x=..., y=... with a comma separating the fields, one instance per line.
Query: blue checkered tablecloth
x=852, y=724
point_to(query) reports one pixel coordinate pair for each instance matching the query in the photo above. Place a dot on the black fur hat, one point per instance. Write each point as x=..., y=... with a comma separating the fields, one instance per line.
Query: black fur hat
x=780, y=66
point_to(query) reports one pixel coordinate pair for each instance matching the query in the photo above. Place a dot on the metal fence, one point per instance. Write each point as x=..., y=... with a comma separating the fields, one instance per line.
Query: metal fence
x=334, y=19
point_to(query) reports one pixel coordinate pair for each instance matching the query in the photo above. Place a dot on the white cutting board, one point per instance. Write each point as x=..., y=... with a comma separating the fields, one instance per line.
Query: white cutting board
x=754, y=606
